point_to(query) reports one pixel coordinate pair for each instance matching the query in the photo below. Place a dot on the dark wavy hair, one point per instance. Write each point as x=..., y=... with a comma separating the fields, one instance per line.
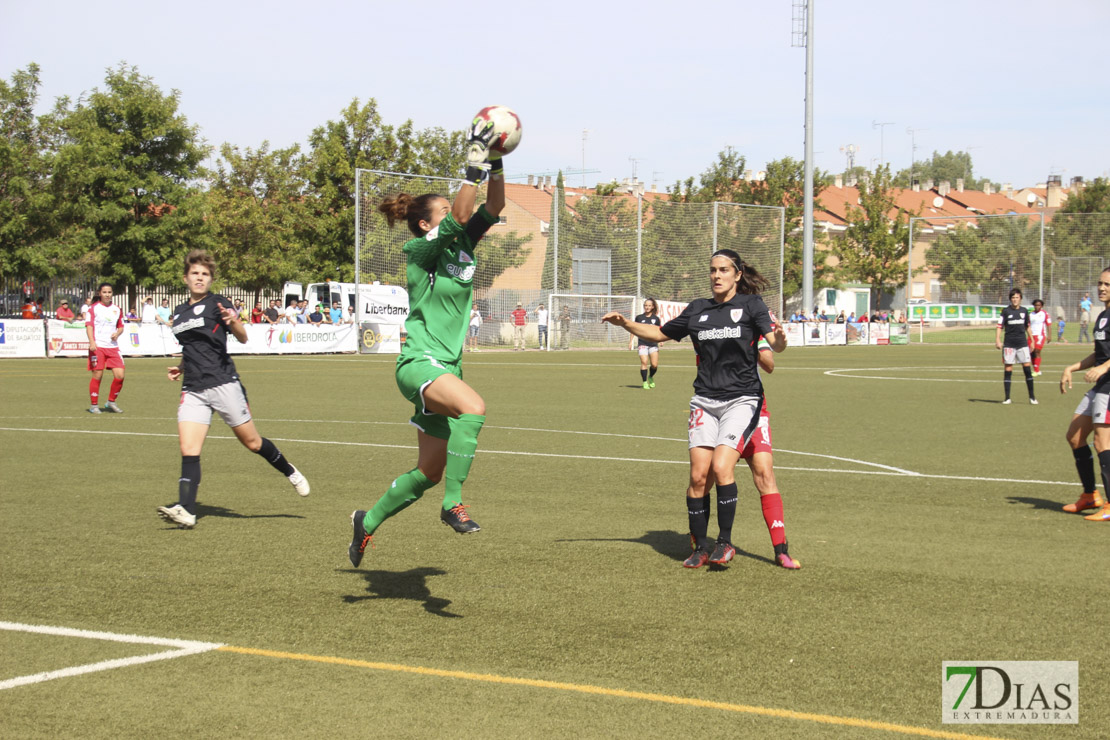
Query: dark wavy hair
x=200, y=257
x=408, y=208
x=750, y=281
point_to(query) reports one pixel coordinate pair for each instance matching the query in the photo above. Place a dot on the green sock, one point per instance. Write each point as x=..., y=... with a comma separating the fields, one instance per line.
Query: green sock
x=461, y=446
x=404, y=492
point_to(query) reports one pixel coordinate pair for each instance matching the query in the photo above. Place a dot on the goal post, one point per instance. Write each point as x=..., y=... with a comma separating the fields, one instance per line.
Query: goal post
x=576, y=321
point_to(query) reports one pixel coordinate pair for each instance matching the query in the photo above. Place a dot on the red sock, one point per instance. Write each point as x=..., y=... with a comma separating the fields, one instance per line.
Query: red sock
x=94, y=392
x=117, y=383
x=772, y=514
x=1036, y=364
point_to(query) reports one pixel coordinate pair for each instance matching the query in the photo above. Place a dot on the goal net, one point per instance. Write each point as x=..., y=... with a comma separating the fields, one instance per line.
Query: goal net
x=576, y=321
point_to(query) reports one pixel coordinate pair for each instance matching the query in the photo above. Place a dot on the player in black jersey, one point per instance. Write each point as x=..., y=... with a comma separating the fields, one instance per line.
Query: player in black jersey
x=728, y=396
x=1013, y=337
x=649, y=351
x=1093, y=413
x=209, y=382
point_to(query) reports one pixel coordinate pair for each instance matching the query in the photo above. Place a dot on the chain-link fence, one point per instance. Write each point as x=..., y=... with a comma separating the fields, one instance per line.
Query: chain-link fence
x=962, y=269
x=558, y=241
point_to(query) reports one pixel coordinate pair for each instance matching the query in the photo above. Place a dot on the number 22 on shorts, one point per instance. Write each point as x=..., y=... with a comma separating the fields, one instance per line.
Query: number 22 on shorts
x=695, y=417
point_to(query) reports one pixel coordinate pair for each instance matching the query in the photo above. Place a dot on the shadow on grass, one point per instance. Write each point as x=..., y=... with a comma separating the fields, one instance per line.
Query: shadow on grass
x=204, y=510
x=984, y=400
x=409, y=585
x=1039, y=504
x=671, y=544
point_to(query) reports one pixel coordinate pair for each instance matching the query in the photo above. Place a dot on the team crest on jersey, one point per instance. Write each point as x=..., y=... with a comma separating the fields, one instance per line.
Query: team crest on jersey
x=736, y=314
x=1101, y=323
x=464, y=257
x=432, y=235
x=198, y=309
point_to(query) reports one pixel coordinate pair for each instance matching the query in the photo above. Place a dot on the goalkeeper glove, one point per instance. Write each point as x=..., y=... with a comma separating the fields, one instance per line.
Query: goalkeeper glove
x=478, y=139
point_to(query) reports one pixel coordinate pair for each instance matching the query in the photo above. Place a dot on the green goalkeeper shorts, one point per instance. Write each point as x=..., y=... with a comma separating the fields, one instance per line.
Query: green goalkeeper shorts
x=413, y=376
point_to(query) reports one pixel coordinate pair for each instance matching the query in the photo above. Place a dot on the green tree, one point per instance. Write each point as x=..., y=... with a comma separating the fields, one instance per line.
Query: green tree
x=360, y=139
x=257, y=214
x=947, y=167
x=129, y=164
x=982, y=262
x=38, y=239
x=873, y=249
x=1081, y=228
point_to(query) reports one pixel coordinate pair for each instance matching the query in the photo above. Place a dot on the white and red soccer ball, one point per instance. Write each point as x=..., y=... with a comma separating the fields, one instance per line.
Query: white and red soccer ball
x=506, y=127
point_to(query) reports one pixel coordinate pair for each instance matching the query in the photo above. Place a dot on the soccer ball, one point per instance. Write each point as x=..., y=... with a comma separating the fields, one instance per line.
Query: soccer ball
x=506, y=127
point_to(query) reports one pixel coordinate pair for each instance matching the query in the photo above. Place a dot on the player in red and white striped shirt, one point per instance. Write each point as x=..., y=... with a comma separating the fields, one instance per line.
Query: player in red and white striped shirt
x=104, y=324
x=1040, y=326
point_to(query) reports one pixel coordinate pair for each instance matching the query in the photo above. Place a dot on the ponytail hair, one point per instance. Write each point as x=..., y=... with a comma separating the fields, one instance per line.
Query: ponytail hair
x=750, y=281
x=408, y=208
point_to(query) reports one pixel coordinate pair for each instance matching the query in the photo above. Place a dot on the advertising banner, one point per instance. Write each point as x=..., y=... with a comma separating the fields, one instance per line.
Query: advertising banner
x=384, y=304
x=67, y=339
x=899, y=333
x=295, y=339
x=22, y=338
x=857, y=333
x=814, y=333
x=795, y=335
x=836, y=333
x=137, y=340
x=669, y=309
x=878, y=333
x=379, y=339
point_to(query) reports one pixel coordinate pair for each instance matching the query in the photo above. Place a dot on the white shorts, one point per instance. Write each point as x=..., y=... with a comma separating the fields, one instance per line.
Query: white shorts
x=730, y=423
x=1015, y=355
x=1094, y=405
x=228, y=400
x=645, y=350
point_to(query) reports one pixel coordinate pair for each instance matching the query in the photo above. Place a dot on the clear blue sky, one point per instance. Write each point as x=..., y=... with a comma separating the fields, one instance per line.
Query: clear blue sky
x=1023, y=85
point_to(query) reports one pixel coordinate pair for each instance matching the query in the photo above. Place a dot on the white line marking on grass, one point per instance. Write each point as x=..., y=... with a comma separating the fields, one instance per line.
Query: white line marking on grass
x=181, y=649
x=849, y=372
x=887, y=470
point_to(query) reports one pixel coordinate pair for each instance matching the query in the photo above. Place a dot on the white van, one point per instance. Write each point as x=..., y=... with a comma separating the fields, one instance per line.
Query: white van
x=385, y=304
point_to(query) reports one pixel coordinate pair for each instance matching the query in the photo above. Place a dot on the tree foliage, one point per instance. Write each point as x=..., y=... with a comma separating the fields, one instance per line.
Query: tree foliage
x=38, y=237
x=1081, y=227
x=985, y=260
x=947, y=167
x=873, y=248
x=130, y=164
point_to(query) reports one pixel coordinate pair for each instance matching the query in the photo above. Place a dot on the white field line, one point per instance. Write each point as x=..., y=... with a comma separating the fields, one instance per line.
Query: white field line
x=181, y=648
x=888, y=470
x=850, y=372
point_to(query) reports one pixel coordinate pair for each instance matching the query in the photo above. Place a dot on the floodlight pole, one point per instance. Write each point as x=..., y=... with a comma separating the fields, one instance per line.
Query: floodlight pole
x=807, y=219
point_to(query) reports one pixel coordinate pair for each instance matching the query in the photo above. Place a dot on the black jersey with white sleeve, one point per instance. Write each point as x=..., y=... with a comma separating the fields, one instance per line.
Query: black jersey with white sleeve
x=1014, y=322
x=654, y=320
x=200, y=329
x=724, y=336
x=1102, y=348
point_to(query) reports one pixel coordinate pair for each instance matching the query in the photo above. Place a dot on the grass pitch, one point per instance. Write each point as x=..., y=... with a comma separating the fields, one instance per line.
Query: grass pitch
x=925, y=514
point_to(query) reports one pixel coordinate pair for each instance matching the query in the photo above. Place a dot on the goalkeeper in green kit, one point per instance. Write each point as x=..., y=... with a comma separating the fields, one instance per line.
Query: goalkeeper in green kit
x=441, y=261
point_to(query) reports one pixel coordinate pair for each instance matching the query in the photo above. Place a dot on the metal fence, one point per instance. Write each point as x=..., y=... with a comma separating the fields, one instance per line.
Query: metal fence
x=960, y=267
x=566, y=241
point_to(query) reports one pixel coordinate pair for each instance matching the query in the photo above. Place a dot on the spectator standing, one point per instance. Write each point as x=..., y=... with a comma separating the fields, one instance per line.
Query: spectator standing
x=302, y=311
x=564, y=328
x=132, y=317
x=271, y=315
x=472, y=329
x=83, y=314
x=163, y=313
x=335, y=315
x=291, y=312
x=520, y=320
x=64, y=312
x=256, y=313
x=150, y=313
x=841, y=318
x=541, y=322
x=315, y=318
x=1084, y=317
x=352, y=317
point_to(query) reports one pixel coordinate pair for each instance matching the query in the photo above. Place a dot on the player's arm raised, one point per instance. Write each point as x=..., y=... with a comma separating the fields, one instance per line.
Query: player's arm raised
x=650, y=332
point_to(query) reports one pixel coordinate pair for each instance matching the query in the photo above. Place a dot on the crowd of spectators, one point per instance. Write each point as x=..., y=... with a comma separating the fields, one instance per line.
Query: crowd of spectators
x=880, y=317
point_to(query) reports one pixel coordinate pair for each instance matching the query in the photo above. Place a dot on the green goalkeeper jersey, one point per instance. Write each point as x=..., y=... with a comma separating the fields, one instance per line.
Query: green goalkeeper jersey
x=440, y=270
